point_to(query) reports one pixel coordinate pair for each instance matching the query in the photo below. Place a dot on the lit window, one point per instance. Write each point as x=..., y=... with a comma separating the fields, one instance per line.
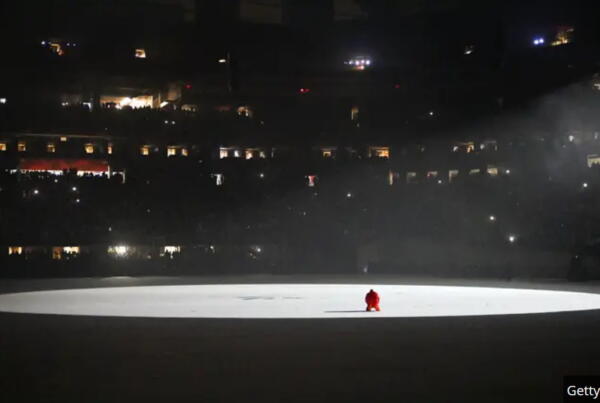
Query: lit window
x=312, y=180
x=354, y=113
x=57, y=253
x=432, y=174
x=51, y=147
x=172, y=249
x=593, y=159
x=262, y=154
x=489, y=145
x=184, y=152
x=71, y=250
x=171, y=151
x=411, y=177
x=453, y=173
x=15, y=250
x=119, y=250
x=223, y=153
x=492, y=170
x=474, y=171
x=327, y=153
x=189, y=108
x=57, y=48
x=89, y=148
x=109, y=148
x=2, y=101
x=219, y=179
x=2, y=146
x=470, y=147
x=249, y=154
x=379, y=152
x=245, y=111
x=469, y=49
x=236, y=153
x=140, y=53
x=145, y=150
x=63, y=139
x=21, y=146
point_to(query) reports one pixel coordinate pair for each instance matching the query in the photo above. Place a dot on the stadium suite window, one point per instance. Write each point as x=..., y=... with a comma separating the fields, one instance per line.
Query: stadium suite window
x=2, y=146
x=15, y=250
x=21, y=146
x=51, y=147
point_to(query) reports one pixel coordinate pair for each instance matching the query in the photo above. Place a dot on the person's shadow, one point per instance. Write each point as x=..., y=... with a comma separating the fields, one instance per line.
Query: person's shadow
x=346, y=311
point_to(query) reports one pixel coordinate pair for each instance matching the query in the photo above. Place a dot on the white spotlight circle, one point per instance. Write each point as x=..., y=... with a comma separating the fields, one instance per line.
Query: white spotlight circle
x=294, y=301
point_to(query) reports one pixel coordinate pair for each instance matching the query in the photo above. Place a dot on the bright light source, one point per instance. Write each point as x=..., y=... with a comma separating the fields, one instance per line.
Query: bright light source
x=121, y=250
x=439, y=182
x=512, y=238
x=77, y=200
x=304, y=90
x=348, y=195
x=172, y=249
x=261, y=175
x=35, y=191
x=43, y=43
x=140, y=53
x=74, y=189
x=431, y=113
x=492, y=218
x=2, y=100
x=538, y=41
x=508, y=171
x=222, y=61
x=585, y=185
x=258, y=249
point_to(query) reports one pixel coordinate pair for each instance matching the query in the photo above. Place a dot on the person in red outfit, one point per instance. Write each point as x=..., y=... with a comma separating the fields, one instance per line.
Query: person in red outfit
x=372, y=300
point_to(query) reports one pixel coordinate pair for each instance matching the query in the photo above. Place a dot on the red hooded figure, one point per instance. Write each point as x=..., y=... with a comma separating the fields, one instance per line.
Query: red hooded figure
x=372, y=300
